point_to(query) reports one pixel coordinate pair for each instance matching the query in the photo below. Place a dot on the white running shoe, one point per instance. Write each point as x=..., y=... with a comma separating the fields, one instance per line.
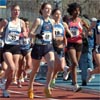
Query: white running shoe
x=76, y=88
x=22, y=80
x=14, y=82
x=6, y=94
x=89, y=76
x=19, y=86
x=66, y=73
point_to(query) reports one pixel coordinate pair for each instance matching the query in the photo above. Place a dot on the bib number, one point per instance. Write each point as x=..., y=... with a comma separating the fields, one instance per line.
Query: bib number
x=24, y=41
x=74, y=31
x=47, y=36
x=58, y=32
x=13, y=36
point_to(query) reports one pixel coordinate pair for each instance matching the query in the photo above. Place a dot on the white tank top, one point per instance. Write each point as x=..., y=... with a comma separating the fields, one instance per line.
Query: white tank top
x=12, y=33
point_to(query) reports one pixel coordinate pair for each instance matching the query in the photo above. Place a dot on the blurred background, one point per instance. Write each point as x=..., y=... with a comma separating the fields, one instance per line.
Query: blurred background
x=30, y=8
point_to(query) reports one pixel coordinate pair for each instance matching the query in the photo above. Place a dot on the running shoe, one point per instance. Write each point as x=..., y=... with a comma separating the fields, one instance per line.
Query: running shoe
x=14, y=82
x=89, y=76
x=52, y=84
x=6, y=94
x=30, y=94
x=66, y=73
x=19, y=84
x=76, y=88
x=22, y=80
x=47, y=92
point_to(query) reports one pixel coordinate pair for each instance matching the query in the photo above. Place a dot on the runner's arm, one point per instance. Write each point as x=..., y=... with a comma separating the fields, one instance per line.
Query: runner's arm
x=35, y=25
x=67, y=29
x=24, y=29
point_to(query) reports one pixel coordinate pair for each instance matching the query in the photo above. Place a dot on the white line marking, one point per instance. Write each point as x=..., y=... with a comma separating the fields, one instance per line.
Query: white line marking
x=25, y=93
x=84, y=90
x=17, y=92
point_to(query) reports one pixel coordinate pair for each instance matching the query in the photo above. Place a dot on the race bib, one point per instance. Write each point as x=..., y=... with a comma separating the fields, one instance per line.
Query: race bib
x=13, y=36
x=58, y=31
x=24, y=41
x=74, y=31
x=47, y=36
x=1, y=43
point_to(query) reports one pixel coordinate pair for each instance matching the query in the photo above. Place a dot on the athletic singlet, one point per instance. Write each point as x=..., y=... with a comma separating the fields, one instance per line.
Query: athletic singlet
x=59, y=30
x=76, y=29
x=25, y=43
x=12, y=33
x=45, y=29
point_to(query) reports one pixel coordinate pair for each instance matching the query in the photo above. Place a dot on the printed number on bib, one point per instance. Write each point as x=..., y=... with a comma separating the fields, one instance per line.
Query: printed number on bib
x=58, y=31
x=24, y=41
x=13, y=36
x=74, y=31
x=47, y=36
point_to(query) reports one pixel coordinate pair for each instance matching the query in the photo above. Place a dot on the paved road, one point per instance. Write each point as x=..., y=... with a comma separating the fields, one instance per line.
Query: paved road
x=62, y=90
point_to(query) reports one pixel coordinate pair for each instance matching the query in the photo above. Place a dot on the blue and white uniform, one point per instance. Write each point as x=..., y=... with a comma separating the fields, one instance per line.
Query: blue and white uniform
x=25, y=46
x=45, y=30
x=43, y=45
x=59, y=32
x=12, y=35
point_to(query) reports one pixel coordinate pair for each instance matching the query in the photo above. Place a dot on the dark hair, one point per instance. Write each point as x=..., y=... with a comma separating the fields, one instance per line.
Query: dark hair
x=65, y=18
x=54, y=10
x=24, y=19
x=14, y=5
x=43, y=6
x=72, y=7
